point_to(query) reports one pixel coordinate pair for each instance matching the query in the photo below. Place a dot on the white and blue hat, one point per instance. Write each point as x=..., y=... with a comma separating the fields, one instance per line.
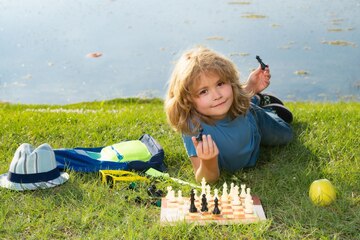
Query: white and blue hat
x=33, y=169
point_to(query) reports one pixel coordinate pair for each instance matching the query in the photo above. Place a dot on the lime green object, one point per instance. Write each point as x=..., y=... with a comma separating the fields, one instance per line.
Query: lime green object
x=155, y=173
x=126, y=151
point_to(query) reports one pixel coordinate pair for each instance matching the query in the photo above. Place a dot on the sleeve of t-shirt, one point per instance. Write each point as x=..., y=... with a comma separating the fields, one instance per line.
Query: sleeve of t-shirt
x=189, y=146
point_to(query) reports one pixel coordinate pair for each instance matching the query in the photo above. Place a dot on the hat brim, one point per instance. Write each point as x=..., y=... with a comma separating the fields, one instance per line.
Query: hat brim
x=5, y=183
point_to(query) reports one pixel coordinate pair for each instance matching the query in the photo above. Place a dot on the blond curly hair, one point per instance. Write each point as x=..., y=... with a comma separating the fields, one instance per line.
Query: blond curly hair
x=179, y=106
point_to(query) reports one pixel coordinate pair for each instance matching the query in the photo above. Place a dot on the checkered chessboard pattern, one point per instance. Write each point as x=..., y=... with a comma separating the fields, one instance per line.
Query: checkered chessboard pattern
x=178, y=211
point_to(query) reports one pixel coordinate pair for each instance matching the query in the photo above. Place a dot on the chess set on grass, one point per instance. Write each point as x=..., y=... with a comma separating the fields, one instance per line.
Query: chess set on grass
x=231, y=207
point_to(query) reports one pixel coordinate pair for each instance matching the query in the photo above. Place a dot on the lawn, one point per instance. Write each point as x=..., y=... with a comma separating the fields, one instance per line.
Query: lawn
x=326, y=145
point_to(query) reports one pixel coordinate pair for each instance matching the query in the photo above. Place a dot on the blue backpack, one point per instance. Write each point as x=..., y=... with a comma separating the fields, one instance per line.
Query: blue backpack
x=139, y=155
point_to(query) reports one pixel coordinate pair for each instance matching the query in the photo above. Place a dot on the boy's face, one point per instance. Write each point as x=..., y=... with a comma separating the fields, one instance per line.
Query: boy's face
x=213, y=97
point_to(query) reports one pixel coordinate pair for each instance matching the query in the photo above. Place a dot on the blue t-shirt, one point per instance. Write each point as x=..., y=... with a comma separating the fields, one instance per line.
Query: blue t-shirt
x=238, y=142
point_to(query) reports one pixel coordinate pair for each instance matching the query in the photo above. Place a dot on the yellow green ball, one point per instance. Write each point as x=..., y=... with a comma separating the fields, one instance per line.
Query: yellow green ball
x=322, y=192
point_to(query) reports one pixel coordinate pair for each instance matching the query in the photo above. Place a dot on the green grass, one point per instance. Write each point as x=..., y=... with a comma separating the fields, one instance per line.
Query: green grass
x=326, y=145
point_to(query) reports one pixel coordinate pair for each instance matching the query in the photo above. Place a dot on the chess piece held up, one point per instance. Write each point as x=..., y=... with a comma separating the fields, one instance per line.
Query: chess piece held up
x=262, y=64
x=199, y=136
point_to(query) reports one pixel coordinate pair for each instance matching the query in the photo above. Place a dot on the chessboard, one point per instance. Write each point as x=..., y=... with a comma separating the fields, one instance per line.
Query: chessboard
x=178, y=211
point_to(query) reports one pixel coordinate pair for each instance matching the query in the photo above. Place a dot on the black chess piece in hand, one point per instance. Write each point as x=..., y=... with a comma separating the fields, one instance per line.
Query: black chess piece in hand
x=199, y=136
x=263, y=65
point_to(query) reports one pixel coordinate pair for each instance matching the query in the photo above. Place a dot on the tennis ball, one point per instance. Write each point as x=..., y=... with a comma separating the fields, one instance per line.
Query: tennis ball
x=322, y=192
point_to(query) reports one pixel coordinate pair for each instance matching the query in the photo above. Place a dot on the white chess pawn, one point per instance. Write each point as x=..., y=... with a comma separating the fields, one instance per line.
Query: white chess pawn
x=248, y=195
x=231, y=193
x=203, y=183
x=243, y=193
x=225, y=188
x=236, y=201
x=249, y=205
x=224, y=196
x=172, y=196
x=235, y=196
x=179, y=197
x=168, y=192
x=236, y=191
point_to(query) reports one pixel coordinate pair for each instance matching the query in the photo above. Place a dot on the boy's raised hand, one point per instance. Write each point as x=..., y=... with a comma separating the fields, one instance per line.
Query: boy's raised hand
x=205, y=149
x=258, y=80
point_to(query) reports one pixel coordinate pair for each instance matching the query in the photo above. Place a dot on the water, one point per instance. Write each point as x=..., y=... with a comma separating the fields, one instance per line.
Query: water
x=43, y=46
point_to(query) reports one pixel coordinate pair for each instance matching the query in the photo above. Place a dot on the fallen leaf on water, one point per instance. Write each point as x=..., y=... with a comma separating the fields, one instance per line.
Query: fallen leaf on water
x=339, y=43
x=337, y=21
x=215, y=38
x=94, y=55
x=340, y=29
x=288, y=45
x=252, y=15
x=240, y=3
x=335, y=30
x=301, y=72
x=274, y=25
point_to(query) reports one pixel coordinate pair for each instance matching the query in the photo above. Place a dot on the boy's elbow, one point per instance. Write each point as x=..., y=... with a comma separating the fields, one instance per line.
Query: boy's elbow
x=210, y=178
x=214, y=179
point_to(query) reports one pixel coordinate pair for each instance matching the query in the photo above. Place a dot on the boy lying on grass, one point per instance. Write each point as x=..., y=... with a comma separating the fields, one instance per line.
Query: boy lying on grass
x=205, y=96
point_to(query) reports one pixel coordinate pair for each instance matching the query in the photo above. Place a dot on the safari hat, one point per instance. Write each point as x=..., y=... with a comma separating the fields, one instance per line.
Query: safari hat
x=33, y=169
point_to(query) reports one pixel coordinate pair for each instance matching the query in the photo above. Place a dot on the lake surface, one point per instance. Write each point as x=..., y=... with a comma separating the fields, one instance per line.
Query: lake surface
x=312, y=47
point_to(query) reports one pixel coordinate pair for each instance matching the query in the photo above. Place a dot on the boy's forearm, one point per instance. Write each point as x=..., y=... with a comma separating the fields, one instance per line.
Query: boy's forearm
x=208, y=169
x=249, y=89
